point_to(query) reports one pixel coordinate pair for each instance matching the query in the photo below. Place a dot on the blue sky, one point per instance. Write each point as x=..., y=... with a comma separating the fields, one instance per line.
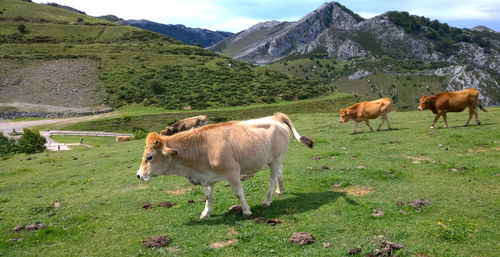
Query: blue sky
x=237, y=15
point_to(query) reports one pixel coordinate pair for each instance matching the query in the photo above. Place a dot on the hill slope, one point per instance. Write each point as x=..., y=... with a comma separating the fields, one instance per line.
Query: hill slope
x=457, y=58
x=118, y=65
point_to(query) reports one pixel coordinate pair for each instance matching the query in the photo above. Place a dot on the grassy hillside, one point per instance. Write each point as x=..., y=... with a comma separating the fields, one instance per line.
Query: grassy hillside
x=404, y=81
x=91, y=200
x=128, y=65
x=152, y=119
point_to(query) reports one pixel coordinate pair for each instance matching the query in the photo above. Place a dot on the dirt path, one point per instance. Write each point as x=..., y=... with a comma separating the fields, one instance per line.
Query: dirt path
x=7, y=126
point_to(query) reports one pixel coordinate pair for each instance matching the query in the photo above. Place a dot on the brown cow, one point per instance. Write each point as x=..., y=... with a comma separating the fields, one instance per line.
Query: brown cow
x=451, y=101
x=185, y=124
x=368, y=110
x=223, y=151
x=122, y=138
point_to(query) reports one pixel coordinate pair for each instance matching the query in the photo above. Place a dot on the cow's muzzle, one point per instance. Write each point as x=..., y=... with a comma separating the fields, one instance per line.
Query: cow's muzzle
x=418, y=108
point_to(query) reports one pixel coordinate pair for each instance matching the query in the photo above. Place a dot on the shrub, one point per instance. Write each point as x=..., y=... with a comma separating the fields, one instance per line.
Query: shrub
x=7, y=145
x=31, y=142
x=139, y=134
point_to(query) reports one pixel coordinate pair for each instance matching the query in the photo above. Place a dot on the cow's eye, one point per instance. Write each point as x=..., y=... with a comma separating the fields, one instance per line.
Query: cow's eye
x=149, y=157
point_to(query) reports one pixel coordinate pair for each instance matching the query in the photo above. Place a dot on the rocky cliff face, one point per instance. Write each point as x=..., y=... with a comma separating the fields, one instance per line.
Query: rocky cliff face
x=335, y=31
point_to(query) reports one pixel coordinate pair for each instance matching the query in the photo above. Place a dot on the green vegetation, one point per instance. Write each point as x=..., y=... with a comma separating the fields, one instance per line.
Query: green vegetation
x=88, y=140
x=29, y=143
x=384, y=79
x=138, y=66
x=157, y=121
x=91, y=200
x=444, y=36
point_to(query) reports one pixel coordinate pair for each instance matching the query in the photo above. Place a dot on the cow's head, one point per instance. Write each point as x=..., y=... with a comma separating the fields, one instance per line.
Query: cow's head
x=157, y=158
x=344, y=115
x=425, y=103
x=168, y=131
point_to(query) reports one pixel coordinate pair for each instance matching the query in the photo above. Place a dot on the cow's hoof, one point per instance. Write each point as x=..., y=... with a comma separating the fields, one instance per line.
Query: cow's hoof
x=432, y=128
x=352, y=133
x=266, y=205
x=478, y=123
x=466, y=125
x=445, y=126
x=247, y=216
x=202, y=217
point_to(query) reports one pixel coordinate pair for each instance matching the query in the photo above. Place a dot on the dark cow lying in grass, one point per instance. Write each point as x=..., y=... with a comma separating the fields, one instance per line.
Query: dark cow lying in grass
x=226, y=150
x=185, y=124
x=451, y=101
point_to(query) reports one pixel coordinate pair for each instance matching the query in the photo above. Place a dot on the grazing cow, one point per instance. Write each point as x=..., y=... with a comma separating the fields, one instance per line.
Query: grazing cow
x=451, y=101
x=122, y=138
x=368, y=110
x=185, y=124
x=226, y=150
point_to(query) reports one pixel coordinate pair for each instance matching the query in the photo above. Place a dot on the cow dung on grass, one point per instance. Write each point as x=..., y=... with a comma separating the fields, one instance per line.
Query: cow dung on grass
x=154, y=242
x=301, y=238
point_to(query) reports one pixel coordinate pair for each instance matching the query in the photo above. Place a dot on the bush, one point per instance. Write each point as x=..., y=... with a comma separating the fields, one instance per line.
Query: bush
x=31, y=142
x=139, y=134
x=7, y=145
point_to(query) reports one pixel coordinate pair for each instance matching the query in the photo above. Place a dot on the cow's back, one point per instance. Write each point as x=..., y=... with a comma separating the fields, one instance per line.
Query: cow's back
x=251, y=144
x=373, y=109
x=457, y=101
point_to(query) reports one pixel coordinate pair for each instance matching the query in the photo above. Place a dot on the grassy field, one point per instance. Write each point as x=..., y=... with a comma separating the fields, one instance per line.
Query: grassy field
x=88, y=140
x=91, y=201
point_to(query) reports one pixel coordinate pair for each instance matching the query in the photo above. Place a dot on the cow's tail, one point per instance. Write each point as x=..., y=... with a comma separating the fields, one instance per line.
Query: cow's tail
x=284, y=119
x=482, y=108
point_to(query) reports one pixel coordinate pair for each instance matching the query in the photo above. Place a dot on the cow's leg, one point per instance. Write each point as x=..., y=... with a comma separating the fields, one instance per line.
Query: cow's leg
x=368, y=124
x=445, y=120
x=477, y=116
x=388, y=121
x=275, y=176
x=471, y=112
x=209, y=192
x=355, y=127
x=436, y=119
x=235, y=182
x=382, y=120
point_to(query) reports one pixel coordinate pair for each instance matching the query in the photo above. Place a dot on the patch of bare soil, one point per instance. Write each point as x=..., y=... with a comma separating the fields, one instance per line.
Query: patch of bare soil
x=225, y=243
x=245, y=177
x=156, y=241
x=419, y=159
x=179, y=191
x=458, y=169
x=140, y=186
x=301, y=238
x=355, y=190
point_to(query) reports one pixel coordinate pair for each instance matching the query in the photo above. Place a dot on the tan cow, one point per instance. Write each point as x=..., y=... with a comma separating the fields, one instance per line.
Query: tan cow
x=368, y=110
x=226, y=150
x=451, y=101
x=185, y=124
x=122, y=138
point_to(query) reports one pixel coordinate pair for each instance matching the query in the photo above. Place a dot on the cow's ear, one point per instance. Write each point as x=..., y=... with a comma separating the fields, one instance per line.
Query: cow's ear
x=156, y=143
x=169, y=151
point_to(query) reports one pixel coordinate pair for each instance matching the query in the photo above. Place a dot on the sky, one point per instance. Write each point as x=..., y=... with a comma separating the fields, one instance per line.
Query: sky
x=237, y=15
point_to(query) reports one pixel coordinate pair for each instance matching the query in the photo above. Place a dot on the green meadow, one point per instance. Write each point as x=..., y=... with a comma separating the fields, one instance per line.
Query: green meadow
x=91, y=200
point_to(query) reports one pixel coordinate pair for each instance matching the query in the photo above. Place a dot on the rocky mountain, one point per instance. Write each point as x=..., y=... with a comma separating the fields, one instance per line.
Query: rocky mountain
x=190, y=36
x=460, y=57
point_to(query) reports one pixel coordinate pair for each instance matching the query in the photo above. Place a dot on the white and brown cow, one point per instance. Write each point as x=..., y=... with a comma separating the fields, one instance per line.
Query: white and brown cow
x=221, y=151
x=185, y=124
x=452, y=101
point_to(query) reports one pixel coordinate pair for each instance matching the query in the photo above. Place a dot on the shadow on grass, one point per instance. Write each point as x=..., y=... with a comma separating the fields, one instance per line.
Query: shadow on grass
x=299, y=203
x=381, y=130
x=472, y=125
